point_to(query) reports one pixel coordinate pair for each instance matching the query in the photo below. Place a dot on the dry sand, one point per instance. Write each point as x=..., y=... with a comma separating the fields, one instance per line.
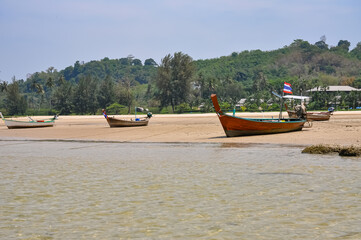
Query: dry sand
x=344, y=128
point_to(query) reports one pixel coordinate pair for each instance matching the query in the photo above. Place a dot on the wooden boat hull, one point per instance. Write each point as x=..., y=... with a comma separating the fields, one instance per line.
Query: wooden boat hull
x=312, y=116
x=236, y=126
x=113, y=122
x=11, y=124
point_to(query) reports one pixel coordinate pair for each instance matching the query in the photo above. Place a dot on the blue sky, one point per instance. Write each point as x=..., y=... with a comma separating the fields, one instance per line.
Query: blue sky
x=37, y=34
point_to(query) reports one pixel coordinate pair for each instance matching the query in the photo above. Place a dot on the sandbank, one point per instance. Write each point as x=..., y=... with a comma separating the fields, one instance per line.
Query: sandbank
x=343, y=128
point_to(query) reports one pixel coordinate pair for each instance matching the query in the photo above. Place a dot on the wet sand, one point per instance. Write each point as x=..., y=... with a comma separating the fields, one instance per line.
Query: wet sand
x=343, y=128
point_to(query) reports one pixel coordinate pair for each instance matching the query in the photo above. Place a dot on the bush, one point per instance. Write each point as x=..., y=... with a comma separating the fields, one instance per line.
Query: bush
x=3, y=111
x=40, y=112
x=264, y=106
x=183, y=107
x=242, y=109
x=154, y=110
x=207, y=106
x=117, y=109
x=274, y=107
x=166, y=110
x=253, y=107
x=225, y=106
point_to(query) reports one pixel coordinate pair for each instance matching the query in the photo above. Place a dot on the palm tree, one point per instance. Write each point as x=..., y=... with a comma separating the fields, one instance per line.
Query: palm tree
x=33, y=84
x=50, y=84
x=61, y=80
x=40, y=91
x=38, y=88
x=3, y=86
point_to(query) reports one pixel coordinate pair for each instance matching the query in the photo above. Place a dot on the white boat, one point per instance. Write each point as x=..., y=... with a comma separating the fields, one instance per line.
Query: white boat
x=28, y=124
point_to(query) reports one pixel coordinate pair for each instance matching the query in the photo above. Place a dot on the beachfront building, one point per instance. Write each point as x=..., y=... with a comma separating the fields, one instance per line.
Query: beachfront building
x=241, y=103
x=338, y=89
x=340, y=97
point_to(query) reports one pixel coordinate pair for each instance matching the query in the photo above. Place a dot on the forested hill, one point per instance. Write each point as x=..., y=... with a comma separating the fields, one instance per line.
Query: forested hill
x=87, y=87
x=299, y=61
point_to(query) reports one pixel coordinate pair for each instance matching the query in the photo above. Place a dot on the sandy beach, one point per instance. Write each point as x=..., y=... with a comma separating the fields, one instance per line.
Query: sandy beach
x=344, y=128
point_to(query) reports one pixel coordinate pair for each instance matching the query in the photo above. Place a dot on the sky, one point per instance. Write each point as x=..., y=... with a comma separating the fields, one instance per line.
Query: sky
x=38, y=34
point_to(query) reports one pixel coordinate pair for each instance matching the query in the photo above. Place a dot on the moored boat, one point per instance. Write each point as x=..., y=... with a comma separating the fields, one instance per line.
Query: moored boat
x=310, y=116
x=11, y=124
x=236, y=126
x=116, y=122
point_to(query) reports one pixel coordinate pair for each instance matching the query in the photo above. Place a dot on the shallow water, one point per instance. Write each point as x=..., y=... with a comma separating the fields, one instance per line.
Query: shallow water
x=97, y=190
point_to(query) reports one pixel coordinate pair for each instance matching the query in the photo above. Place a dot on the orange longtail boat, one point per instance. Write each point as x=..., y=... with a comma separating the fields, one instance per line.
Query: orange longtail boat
x=236, y=126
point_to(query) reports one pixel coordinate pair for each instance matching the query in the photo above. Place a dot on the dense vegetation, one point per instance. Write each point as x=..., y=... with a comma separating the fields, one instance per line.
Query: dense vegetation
x=179, y=84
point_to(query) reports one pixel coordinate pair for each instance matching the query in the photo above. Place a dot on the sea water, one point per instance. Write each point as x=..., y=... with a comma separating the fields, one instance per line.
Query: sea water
x=99, y=190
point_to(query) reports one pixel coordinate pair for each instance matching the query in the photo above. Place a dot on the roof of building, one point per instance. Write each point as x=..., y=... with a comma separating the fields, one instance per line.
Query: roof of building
x=334, y=89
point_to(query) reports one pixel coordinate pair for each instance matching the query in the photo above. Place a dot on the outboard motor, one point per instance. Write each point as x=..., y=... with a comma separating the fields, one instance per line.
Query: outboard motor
x=331, y=109
x=149, y=115
x=300, y=112
x=139, y=109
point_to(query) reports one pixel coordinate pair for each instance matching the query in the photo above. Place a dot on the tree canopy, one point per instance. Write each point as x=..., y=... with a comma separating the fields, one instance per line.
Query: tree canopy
x=179, y=82
x=174, y=77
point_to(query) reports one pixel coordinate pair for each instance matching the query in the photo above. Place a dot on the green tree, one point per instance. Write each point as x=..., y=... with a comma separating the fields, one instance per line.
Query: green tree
x=49, y=82
x=234, y=92
x=106, y=95
x=3, y=86
x=61, y=80
x=163, y=81
x=124, y=90
x=37, y=88
x=40, y=91
x=124, y=93
x=62, y=97
x=137, y=62
x=173, y=79
x=356, y=52
x=344, y=44
x=259, y=81
x=322, y=43
x=208, y=85
x=85, y=100
x=15, y=103
x=342, y=47
x=150, y=62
